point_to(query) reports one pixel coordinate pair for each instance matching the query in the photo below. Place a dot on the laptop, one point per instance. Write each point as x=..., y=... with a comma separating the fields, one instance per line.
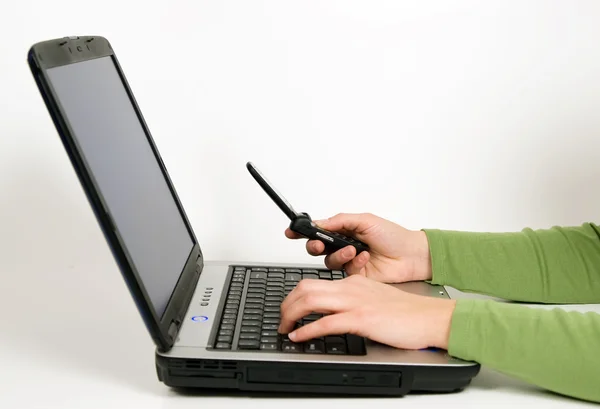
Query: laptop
x=214, y=323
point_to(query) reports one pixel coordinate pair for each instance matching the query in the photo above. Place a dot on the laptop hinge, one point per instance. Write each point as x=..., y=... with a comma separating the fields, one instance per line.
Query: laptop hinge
x=173, y=328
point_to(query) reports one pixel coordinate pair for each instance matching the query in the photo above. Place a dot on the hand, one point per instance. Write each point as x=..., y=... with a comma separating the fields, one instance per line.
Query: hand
x=396, y=254
x=367, y=308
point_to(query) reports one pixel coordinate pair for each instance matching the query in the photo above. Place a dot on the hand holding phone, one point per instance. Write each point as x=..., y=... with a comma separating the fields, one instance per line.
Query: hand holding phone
x=302, y=223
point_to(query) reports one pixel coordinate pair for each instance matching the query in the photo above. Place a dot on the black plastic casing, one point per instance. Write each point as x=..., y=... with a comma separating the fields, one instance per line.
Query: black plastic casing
x=72, y=50
x=333, y=241
x=312, y=378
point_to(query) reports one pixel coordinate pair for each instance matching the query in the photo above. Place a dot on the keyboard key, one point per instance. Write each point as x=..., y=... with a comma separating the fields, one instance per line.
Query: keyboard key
x=252, y=311
x=272, y=304
x=271, y=315
x=257, y=291
x=230, y=316
x=276, y=270
x=264, y=270
x=269, y=334
x=255, y=323
x=248, y=344
x=271, y=321
x=273, y=298
x=356, y=345
x=250, y=336
x=228, y=321
x=251, y=317
x=268, y=340
x=240, y=268
x=324, y=275
x=268, y=347
x=272, y=309
x=250, y=329
x=310, y=277
x=293, y=277
x=270, y=327
x=314, y=347
x=230, y=311
x=226, y=332
x=309, y=271
x=276, y=275
x=223, y=345
x=258, y=274
x=225, y=338
x=293, y=270
x=227, y=327
x=233, y=297
x=336, y=348
x=290, y=347
x=274, y=293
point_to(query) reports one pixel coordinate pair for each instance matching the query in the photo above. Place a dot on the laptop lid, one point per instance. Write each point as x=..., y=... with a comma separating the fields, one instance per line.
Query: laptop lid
x=123, y=176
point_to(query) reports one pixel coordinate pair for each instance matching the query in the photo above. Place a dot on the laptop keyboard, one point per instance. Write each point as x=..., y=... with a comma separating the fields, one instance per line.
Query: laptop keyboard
x=252, y=313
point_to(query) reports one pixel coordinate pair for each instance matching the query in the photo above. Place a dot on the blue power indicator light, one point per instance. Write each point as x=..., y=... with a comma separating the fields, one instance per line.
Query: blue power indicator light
x=199, y=318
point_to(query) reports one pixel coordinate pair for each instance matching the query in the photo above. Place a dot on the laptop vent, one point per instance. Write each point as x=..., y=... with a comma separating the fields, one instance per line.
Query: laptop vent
x=200, y=364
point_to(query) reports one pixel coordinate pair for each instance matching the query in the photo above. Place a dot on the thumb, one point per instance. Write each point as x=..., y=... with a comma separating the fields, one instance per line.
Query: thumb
x=351, y=222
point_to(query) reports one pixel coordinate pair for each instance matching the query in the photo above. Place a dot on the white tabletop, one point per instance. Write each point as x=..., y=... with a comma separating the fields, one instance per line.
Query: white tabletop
x=72, y=337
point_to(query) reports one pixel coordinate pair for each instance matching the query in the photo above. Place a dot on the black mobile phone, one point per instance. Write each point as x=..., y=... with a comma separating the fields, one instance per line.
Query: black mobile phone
x=302, y=223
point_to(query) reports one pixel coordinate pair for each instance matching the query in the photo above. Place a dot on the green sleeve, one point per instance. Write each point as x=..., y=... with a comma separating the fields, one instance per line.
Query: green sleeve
x=553, y=349
x=557, y=265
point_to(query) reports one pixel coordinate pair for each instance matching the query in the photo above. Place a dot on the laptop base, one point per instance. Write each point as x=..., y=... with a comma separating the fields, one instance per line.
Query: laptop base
x=344, y=379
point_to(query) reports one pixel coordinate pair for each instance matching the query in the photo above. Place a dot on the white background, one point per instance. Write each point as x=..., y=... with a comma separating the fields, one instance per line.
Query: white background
x=459, y=115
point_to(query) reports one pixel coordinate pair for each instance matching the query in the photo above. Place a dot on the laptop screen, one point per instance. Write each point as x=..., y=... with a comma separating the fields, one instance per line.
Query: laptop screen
x=113, y=143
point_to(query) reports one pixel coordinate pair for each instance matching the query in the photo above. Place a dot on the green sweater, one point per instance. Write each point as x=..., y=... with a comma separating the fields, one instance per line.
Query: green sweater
x=552, y=348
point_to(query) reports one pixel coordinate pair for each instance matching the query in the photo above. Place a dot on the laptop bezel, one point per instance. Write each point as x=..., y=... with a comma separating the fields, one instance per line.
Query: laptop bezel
x=69, y=50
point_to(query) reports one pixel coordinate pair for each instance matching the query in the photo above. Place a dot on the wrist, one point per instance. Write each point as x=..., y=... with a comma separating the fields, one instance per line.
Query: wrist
x=423, y=268
x=441, y=323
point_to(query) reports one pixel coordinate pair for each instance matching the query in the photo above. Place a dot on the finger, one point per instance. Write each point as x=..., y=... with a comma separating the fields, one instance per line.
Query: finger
x=335, y=324
x=292, y=235
x=336, y=260
x=319, y=303
x=356, y=265
x=315, y=247
x=350, y=222
x=305, y=287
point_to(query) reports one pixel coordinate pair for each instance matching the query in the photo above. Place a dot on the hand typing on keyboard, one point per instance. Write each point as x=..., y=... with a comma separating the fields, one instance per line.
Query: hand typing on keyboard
x=361, y=304
x=299, y=310
x=396, y=254
x=367, y=308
